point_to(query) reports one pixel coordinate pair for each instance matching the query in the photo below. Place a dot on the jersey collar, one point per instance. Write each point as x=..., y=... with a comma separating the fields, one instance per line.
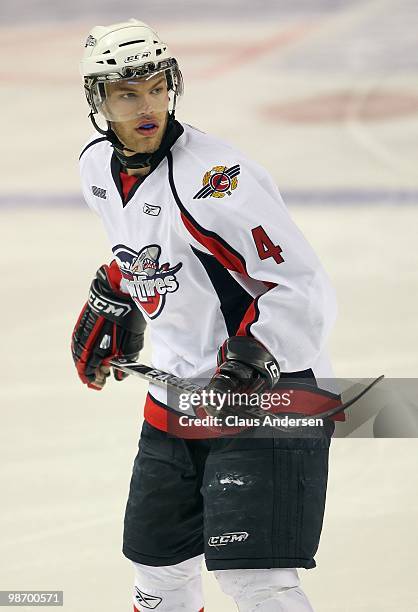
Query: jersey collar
x=173, y=132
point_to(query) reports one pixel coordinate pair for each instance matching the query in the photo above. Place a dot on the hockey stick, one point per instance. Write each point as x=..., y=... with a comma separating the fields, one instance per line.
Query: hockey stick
x=174, y=383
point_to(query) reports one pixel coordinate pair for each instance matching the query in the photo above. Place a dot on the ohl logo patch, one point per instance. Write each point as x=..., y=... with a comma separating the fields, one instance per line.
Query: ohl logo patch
x=148, y=281
x=219, y=182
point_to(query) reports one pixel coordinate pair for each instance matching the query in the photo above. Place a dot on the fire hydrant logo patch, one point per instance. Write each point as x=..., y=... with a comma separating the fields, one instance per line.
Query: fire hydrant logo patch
x=219, y=182
x=148, y=281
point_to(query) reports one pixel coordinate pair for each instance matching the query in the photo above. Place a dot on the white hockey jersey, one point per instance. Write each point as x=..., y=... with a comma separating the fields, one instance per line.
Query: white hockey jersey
x=208, y=250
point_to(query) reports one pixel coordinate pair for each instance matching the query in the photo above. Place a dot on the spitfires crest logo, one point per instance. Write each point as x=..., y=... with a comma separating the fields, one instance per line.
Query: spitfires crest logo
x=148, y=281
x=219, y=182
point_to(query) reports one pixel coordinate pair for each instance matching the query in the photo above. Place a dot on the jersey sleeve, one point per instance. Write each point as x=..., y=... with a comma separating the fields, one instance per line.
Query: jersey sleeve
x=250, y=231
x=91, y=169
x=85, y=187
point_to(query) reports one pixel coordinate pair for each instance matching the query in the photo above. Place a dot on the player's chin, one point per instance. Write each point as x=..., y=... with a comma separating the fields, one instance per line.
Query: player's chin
x=148, y=145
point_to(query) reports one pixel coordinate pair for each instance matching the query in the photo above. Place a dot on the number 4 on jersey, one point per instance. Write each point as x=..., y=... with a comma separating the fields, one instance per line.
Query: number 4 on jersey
x=265, y=247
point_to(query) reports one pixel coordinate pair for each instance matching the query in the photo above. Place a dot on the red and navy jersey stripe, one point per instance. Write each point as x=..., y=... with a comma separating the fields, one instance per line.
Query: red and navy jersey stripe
x=230, y=259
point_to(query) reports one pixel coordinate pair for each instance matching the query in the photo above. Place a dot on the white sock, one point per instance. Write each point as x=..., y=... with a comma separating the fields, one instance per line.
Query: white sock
x=169, y=588
x=264, y=590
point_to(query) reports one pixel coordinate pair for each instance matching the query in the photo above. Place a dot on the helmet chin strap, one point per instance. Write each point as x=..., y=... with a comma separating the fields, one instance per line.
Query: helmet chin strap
x=140, y=160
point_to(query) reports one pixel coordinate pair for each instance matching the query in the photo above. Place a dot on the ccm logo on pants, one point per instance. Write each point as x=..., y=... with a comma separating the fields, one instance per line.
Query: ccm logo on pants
x=228, y=538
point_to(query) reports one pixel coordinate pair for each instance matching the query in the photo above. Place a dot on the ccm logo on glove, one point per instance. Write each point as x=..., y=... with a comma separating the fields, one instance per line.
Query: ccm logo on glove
x=108, y=307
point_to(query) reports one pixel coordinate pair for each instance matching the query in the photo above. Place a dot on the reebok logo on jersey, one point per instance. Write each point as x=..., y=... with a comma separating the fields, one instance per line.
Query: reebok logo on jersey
x=147, y=601
x=150, y=209
x=148, y=282
x=228, y=538
x=99, y=192
x=218, y=182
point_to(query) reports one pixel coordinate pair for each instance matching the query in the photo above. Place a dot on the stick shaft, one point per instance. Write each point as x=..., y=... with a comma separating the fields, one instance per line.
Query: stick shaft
x=157, y=377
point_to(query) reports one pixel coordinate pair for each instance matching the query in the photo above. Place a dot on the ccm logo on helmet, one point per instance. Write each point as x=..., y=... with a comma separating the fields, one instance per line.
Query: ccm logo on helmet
x=138, y=56
x=115, y=309
x=228, y=538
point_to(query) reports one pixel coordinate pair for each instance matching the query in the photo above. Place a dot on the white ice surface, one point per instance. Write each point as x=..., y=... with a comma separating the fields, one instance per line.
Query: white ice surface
x=66, y=452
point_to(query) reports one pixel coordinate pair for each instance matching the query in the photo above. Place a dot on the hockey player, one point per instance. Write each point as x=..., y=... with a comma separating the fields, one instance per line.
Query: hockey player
x=206, y=253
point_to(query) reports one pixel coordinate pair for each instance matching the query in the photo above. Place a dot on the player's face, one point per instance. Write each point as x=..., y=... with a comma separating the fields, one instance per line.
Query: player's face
x=144, y=103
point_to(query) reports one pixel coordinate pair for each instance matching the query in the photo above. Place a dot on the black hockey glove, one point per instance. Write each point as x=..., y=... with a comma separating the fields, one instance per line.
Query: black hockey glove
x=244, y=366
x=110, y=325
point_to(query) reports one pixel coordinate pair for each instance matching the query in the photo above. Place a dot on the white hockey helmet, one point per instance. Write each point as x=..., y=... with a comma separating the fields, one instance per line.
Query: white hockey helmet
x=130, y=51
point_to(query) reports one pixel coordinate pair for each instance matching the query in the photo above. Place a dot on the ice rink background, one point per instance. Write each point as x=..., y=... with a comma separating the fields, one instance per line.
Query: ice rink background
x=325, y=95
